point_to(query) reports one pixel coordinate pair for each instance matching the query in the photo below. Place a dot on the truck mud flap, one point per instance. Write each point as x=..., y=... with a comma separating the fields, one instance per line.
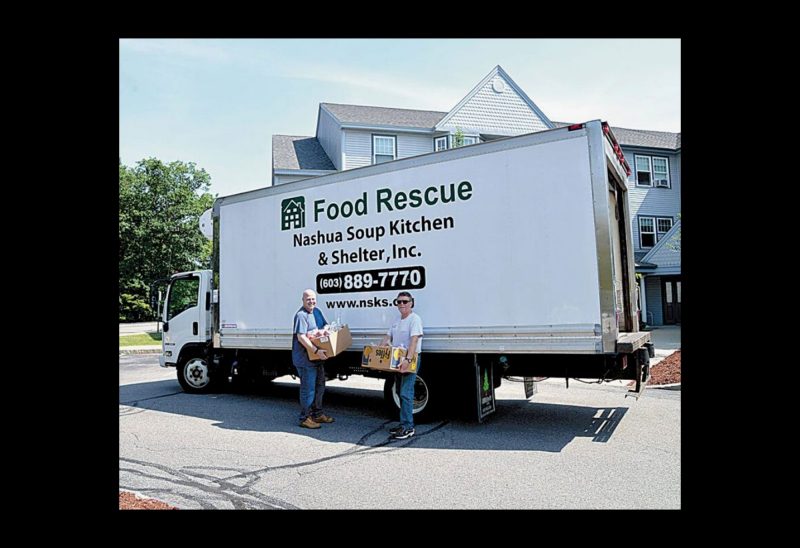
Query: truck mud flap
x=484, y=384
x=642, y=360
x=530, y=386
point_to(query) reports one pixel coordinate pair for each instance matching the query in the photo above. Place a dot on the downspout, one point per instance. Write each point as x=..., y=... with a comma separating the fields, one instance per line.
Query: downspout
x=643, y=300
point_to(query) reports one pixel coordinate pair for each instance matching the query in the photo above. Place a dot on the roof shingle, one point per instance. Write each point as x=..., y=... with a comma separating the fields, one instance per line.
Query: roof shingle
x=382, y=116
x=641, y=137
x=299, y=152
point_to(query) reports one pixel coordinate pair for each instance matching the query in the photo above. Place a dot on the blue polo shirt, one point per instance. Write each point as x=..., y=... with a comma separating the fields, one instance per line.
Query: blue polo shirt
x=304, y=321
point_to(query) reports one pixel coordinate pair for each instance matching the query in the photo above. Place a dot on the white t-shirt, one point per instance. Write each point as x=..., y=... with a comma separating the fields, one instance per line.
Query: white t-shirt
x=401, y=331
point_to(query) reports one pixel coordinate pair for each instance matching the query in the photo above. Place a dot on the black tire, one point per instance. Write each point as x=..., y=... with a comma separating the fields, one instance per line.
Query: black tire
x=425, y=399
x=194, y=375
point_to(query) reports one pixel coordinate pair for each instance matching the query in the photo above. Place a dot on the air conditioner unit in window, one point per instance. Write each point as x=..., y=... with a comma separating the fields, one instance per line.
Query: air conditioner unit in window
x=662, y=183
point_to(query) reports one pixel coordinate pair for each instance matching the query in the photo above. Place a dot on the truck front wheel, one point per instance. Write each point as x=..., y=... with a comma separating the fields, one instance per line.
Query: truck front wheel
x=193, y=375
x=422, y=398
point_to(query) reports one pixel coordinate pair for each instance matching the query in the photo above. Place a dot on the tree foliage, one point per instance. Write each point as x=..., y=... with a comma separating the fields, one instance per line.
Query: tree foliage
x=159, y=208
x=675, y=243
x=458, y=138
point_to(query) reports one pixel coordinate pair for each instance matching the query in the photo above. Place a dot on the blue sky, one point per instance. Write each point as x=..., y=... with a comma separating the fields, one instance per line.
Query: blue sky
x=217, y=103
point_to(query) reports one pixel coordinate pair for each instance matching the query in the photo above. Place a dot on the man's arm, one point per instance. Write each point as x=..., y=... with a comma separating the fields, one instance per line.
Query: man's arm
x=305, y=341
x=412, y=348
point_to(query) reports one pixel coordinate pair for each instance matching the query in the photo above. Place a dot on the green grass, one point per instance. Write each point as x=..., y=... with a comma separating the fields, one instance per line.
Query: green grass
x=140, y=339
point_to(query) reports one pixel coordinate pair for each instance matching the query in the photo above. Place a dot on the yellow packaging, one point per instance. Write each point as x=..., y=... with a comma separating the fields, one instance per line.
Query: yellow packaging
x=386, y=358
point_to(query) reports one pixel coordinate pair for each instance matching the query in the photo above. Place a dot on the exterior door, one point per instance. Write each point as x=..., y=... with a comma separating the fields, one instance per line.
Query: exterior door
x=183, y=314
x=671, y=293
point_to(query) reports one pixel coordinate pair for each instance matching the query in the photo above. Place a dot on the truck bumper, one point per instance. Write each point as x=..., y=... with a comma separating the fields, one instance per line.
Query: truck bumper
x=162, y=361
x=628, y=343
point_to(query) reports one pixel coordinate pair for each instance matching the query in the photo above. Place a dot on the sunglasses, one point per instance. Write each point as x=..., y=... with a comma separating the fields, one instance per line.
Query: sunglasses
x=401, y=301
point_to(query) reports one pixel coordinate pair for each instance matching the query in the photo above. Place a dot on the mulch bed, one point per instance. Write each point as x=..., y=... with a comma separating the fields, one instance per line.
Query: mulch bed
x=129, y=501
x=667, y=371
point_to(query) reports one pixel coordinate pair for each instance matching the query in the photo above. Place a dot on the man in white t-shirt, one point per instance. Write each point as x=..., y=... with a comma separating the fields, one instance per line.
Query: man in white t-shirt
x=407, y=332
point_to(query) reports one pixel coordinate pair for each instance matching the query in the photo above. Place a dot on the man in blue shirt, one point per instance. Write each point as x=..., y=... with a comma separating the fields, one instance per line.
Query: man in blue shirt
x=312, y=374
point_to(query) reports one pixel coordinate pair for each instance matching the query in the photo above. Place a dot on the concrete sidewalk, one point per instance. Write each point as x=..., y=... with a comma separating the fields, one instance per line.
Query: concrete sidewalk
x=148, y=349
x=666, y=338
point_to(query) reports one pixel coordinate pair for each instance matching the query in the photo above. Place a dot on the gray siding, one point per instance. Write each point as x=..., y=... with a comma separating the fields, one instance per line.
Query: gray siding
x=652, y=201
x=358, y=146
x=414, y=144
x=491, y=112
x=329, y=137
x=653, y=293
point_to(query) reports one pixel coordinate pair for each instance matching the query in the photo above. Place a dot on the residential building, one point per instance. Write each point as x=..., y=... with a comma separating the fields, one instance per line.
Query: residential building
x=351, y=136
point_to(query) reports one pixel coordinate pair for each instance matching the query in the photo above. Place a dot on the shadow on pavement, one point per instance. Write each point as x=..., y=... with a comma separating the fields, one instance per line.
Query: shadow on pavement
x=518, y=425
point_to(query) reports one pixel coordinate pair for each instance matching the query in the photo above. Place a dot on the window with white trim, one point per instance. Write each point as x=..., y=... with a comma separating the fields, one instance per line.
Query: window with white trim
x=660, y=172
x=647, y=232
x=643, y=171
x=652, y=171
x=384, y=148
x=652, y=229
x=663, y=224
x=440, y=143
x=470, y=140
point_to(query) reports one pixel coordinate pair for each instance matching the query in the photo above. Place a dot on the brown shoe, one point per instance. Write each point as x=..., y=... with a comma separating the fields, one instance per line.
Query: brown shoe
x=309, y=423
x=323, y=418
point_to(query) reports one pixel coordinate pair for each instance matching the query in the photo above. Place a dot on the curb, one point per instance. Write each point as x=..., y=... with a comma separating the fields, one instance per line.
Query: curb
x=154, y=350
x=675, y=386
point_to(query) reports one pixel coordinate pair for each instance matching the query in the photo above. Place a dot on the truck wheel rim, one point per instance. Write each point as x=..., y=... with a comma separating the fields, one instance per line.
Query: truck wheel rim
x=420, y=395
x=196, y=373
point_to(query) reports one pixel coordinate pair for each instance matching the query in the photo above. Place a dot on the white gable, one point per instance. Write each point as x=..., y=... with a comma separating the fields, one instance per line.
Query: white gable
x=496, y=106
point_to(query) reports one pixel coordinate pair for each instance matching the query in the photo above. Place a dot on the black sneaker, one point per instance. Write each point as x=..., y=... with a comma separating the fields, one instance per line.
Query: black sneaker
x=395, y=430
x=404, y=434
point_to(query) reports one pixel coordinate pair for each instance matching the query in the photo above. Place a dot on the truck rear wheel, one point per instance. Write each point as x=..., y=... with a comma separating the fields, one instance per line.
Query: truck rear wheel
x=193, y=375
x=423, y=408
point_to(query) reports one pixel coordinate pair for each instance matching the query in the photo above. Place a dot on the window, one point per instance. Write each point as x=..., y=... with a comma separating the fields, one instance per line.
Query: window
x=643, y=175
x=464, y=140
x=652, y=229
x=652, y=171
x=661, y=172
x=647, y=233
x=182, y=295
x=383, y=148
x=663, y=224
x=440, y=143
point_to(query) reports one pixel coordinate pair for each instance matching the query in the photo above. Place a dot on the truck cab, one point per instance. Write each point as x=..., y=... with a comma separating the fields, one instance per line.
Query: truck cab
x=187, y=326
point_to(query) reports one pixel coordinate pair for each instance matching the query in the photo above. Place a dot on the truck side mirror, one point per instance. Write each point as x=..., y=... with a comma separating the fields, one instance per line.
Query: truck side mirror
x=165, y=328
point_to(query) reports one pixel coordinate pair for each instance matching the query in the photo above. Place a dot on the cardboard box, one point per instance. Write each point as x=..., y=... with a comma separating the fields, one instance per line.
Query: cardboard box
x=333, y=344
x=385, y=358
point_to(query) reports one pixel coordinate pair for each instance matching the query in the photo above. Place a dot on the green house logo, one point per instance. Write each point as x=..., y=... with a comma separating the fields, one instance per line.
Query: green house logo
x=293, y=213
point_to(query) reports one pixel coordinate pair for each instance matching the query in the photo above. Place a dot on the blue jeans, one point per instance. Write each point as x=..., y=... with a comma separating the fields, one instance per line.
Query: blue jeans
x=407, y=381
x=312, y=387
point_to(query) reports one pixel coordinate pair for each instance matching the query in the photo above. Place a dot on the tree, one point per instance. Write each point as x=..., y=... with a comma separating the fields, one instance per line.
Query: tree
x=675, y=243
x=159, y=208
x=458, y=138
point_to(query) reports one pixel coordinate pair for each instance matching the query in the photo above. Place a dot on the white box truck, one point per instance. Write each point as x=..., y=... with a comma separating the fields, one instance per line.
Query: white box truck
x=517, y=251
